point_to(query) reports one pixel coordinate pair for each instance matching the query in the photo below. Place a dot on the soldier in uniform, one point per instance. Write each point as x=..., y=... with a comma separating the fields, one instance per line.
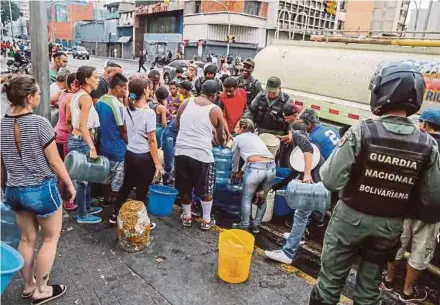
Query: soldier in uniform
x=208, y=74
x=266, y=110
x=247, y=82
x=381, y=167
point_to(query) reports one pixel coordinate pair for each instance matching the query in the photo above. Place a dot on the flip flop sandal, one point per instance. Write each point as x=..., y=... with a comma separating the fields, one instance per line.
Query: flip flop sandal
x=57, y=291
x=28, y=295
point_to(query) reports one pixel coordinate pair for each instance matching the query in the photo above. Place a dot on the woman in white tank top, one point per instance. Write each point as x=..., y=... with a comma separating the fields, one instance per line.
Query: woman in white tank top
x=84, y=118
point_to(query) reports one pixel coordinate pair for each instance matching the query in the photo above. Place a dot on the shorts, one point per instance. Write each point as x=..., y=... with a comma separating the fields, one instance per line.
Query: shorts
x=116, y=175
x=418, y=238
x=43, y=199
x=193, y=174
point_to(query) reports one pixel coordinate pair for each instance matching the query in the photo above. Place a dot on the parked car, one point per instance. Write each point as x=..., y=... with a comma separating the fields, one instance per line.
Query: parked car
x=80, y=53
x=169, y=71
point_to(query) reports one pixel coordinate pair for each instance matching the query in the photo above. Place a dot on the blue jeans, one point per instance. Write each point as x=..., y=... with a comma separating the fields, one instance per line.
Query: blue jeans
x=300, y=221
x=43, y=199
x=159, y=131
x=168, y=147
x=257, y=176
x=83, y=188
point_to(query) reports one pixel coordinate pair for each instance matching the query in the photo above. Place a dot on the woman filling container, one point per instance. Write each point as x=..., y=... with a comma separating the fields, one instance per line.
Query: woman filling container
x=33, y=167
x=142, y=158
x=84, y=119
x=258, y=172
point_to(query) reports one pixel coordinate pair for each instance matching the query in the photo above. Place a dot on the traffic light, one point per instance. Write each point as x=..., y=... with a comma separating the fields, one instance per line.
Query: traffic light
x=230, y=38
x=330, y=7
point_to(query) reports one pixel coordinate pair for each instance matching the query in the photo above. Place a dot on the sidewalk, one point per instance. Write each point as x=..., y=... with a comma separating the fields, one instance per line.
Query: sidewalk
x=179, y=267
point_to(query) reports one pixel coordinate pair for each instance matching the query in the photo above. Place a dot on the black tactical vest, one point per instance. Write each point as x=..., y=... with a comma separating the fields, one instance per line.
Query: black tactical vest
x=385, y=179
x=249, y=86
x=272, y=117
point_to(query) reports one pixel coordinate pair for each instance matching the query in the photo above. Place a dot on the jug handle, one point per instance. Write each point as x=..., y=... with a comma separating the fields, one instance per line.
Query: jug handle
x=92, y=160
x=239, y=239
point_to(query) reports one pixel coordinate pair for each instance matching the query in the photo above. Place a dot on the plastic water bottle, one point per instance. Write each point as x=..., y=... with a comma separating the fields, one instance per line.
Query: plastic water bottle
x=81, y=168
x=303, y=196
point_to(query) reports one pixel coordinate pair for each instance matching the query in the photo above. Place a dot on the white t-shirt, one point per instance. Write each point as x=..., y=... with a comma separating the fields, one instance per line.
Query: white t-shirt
x=246, y=145
x=54, y=88
x=139, y=123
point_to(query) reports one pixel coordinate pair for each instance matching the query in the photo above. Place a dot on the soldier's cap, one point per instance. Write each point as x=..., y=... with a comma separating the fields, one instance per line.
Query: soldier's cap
x=291, y=109
x=310, y=116
x=273, y=83
x=210, y=87
x=431, y=116
x=250, y=62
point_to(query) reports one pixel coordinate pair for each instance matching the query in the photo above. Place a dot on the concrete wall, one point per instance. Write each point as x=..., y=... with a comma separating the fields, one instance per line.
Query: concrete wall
x=358, y=16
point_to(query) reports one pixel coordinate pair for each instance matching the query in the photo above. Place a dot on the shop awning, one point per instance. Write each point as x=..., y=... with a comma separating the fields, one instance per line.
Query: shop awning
x=124, y=39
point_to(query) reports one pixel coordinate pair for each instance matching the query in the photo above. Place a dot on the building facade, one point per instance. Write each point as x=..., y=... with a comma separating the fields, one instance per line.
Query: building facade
x=62, y=17
x=112, y=36
x=427, y=21
x=206, y=27
x=158, y=26
x=298, y=19
x=368, y=18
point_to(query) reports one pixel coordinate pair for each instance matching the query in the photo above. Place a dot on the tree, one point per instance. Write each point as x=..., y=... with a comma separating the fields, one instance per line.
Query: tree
x=5, y=12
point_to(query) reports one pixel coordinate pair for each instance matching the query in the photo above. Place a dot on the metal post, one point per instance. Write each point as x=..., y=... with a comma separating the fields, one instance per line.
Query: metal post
x=96, y=28
x=40, y=60
x=428, y=16
x=10, y=20
x=229, y=23
x=417, y=15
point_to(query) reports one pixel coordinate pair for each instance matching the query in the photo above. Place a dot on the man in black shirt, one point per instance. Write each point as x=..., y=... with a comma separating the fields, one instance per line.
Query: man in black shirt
x=111, y=68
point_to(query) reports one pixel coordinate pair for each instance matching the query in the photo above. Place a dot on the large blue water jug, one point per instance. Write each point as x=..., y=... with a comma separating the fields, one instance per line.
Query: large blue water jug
x=81, y=168
x=10, y=233
x=234, y=193
x=223, y=162
x=312, y=197
x=280, y=206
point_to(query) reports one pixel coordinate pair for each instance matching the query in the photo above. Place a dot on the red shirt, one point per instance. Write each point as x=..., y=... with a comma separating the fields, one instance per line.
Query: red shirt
x=233, y=107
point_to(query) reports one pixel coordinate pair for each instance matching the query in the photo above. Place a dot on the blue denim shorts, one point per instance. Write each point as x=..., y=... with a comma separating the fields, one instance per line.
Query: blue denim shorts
x=43, y=199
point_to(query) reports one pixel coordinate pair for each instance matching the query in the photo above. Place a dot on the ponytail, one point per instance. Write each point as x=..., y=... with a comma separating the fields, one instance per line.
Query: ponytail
x=131, y=98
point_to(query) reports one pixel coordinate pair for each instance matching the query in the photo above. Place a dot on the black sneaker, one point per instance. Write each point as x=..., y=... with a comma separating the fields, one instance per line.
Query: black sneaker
x=255, y=229
x=239, y=226
x=386, y=285
x=417, y=296
x=113, y=219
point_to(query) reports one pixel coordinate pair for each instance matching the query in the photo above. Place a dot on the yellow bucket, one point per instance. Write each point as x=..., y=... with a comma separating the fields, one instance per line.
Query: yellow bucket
x=235, y=255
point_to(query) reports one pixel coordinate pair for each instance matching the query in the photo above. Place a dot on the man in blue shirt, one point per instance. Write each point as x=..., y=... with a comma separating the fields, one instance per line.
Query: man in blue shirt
x=112, y=133
x=324, y=137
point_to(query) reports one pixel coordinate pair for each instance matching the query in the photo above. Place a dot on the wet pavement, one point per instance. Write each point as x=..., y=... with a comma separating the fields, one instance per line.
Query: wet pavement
x=180, y=267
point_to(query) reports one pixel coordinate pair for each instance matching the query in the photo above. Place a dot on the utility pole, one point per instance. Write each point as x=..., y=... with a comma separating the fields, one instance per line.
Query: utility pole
x=428, y=16
x=10, y=20
x=40, y=59
x=417, y=4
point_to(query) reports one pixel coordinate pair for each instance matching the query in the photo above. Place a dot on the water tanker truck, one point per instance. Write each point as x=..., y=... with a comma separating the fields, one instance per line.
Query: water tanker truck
x=333, y=78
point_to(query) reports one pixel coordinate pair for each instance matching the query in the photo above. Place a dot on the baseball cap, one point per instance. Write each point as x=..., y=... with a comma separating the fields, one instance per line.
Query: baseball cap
x=273, y=83
x=249, y=61
x=291, y=109
x=210, y=87
x=310, y=115
x=431, y=116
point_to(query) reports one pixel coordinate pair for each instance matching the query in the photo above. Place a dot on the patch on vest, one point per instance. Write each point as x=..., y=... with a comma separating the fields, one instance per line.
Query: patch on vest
x=372, y=173
x=383, y=192
x=347, y=136
x=382, y=158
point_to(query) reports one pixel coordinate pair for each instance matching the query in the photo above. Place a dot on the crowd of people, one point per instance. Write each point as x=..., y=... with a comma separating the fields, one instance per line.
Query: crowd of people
x=132, y=120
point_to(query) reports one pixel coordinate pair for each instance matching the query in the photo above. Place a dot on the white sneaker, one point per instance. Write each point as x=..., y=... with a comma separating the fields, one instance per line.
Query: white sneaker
x=279, y=256
x=286, y=236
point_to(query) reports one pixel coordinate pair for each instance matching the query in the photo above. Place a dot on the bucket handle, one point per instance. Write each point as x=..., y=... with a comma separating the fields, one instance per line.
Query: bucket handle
x=239, y=239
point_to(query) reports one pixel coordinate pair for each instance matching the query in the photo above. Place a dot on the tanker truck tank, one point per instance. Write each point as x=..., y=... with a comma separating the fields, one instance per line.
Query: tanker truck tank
x=333, y=78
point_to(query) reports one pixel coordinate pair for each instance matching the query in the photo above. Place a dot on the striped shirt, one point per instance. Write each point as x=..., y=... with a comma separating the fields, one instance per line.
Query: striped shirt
x=31, y=166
